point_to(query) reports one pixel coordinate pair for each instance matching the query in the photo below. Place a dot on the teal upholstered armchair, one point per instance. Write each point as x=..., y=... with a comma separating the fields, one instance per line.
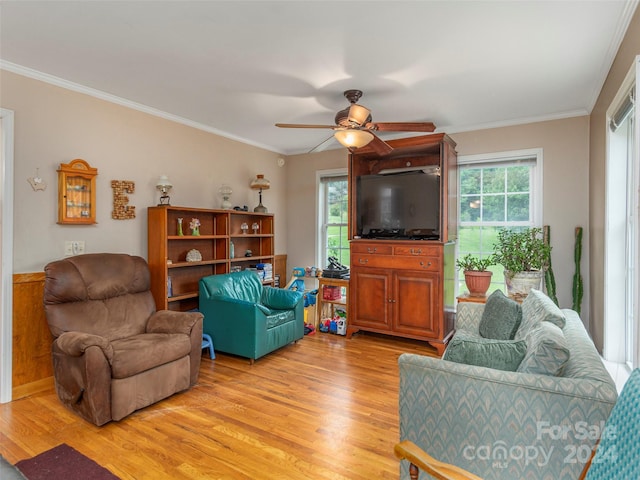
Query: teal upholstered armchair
x=247, y=319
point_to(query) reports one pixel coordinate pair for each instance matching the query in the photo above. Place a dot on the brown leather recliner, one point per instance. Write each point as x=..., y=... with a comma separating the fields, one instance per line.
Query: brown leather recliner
x=113, y=353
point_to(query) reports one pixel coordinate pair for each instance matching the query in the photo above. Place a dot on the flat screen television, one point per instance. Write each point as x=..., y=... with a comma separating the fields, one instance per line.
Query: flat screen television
x=399, y=205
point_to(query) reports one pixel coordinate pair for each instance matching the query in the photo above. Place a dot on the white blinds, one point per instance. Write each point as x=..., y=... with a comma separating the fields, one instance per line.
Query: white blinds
x=623, y=111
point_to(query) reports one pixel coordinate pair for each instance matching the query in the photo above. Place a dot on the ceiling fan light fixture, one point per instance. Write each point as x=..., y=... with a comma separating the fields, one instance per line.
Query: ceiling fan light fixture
x=353, y=138
x=359, y=114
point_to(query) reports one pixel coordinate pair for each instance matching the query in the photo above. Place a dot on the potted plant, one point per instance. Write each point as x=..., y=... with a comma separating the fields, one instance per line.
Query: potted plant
x=476, y=276
x=524, y=256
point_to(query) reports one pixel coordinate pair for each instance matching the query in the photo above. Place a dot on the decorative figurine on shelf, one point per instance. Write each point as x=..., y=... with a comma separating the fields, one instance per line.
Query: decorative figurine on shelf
x=180, y=234
x=255, y=228
x=195, y=227
x=248, y=253
x=226, y=191
x=244, y=227
x=194, y=255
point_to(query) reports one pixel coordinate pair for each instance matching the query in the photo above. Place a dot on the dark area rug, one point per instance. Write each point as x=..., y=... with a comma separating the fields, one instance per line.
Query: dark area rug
x=63, y=463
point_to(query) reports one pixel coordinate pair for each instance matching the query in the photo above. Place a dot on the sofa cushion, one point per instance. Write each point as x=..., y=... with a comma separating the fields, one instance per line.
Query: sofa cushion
x=547, y=350
x=536, y=308
x=501, y=317
x=485, y=352
x=136, y=354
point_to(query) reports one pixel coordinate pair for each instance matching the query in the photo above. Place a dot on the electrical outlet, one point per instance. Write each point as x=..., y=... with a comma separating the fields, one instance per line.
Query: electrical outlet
x=73, y=247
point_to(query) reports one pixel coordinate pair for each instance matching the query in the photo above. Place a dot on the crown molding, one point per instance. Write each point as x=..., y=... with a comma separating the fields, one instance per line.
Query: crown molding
x=92, y=92
x=616, y=40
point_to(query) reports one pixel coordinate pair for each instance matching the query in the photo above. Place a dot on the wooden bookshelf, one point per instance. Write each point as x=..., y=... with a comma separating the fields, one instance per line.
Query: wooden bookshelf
x=174, y=280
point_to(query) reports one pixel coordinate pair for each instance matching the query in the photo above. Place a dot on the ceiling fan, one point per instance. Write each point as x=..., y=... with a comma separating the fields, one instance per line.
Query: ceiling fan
x=354, y=126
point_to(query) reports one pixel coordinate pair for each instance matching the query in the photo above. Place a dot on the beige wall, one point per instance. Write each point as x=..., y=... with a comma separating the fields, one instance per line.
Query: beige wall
x=565, y=183
x=628, y=50
x=565, y=145
x=302, y=202
x=54, y=125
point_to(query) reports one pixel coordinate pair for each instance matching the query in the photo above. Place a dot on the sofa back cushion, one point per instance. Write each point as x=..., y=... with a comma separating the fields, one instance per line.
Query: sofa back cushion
x=243, y=285
x=501, y=317
x=105, y=294
x=536, y=308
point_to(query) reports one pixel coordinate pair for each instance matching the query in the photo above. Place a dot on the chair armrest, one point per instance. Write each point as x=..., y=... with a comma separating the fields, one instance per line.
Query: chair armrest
x=468, y=316
x=280, y=299
x=409, y=451
x=169, y=321
x=74, y=344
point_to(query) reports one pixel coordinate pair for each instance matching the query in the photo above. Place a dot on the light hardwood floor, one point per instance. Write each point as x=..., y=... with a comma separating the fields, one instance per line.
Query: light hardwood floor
x=323, y=408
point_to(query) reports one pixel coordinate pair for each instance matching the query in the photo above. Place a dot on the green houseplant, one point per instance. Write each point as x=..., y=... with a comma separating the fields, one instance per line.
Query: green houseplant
x=524, y=255
x=477, y=277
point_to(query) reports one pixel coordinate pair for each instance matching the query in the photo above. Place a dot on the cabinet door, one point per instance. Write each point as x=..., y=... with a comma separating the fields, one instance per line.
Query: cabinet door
x=77, y=193
x=416, y=303
x=371, y=304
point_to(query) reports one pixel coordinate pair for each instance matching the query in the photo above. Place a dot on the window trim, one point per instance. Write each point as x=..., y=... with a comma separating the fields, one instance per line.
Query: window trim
x=613, y=331
x=485, y=160
x=320, y=237
x=498, y=158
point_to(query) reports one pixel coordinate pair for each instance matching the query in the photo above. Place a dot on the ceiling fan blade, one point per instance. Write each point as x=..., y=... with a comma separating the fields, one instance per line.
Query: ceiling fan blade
x=380, y=146
x=297, y=125
x=401, y=126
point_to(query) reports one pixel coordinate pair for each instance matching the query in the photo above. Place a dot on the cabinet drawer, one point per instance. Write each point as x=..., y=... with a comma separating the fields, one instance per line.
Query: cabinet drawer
x=371, y=249
x=417, y=250
x=431, y=264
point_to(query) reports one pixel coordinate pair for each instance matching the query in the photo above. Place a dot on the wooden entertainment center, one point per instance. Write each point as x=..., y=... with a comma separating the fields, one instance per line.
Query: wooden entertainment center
x=403, y=282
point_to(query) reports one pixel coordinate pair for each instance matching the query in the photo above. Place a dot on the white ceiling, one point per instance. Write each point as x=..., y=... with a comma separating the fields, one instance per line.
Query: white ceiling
x=237, y=67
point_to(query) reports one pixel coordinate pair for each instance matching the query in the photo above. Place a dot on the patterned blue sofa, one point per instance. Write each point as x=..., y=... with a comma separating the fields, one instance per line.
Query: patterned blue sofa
x=504, y=424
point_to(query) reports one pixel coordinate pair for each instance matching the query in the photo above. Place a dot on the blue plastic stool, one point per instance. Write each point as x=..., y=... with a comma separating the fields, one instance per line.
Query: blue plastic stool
x=207, y=342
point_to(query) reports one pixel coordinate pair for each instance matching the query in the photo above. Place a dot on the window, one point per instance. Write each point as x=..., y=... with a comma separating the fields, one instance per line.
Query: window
x=622, y=262
x=496, y=191
x=334, y=215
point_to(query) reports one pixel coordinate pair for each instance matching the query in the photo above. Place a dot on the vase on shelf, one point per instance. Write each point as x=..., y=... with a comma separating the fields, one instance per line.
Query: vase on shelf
x=180, y=234
x=195, y=227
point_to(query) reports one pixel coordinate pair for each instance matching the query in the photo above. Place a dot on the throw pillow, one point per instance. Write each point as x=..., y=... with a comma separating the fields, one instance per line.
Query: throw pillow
x=501, y=317
x=547, y=350
x=485, y=352
x=538, y=305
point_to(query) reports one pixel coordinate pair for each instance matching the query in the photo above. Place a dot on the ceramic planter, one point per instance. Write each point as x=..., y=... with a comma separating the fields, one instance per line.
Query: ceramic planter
x=520, y=284
x=477, y=282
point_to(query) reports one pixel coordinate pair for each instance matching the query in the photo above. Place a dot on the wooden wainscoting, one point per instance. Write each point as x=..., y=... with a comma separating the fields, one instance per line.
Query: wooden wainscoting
x=32, y=367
